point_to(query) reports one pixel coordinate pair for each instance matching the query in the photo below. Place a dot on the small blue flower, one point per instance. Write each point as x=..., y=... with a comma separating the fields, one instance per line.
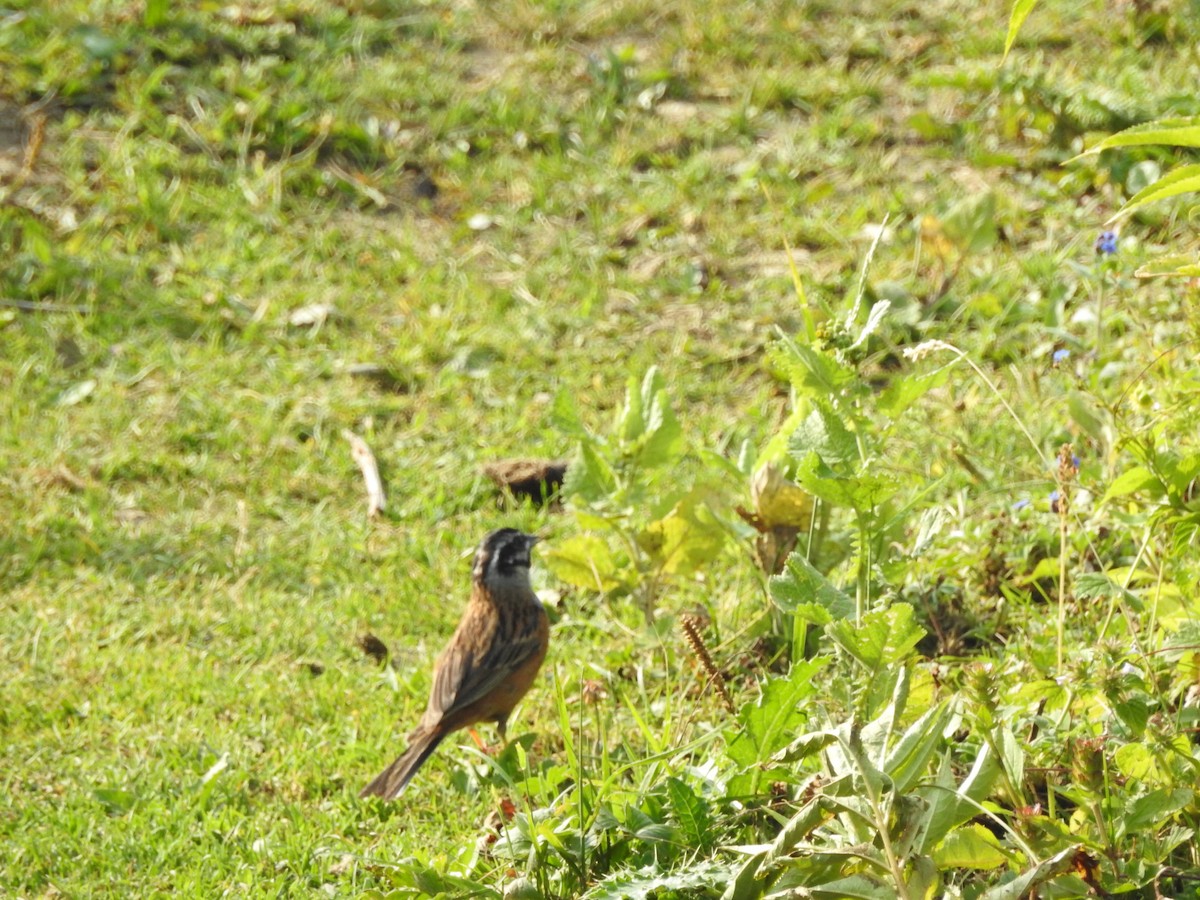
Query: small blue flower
x=1106, y=244
x=1061, y=356
x=1054, y=496
x=1075, y=462
x=1020, y=504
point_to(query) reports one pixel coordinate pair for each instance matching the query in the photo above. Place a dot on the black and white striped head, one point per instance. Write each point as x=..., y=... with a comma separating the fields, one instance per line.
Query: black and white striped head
x=504, y=556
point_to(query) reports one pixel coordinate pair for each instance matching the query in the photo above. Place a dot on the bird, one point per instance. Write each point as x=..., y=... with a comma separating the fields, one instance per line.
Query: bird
x=490, y=662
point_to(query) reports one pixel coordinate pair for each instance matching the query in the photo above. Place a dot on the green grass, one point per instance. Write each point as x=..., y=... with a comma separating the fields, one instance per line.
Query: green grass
x=185, y=562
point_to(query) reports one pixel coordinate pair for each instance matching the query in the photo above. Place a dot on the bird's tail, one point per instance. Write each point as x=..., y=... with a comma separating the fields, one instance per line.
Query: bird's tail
x=392, y=781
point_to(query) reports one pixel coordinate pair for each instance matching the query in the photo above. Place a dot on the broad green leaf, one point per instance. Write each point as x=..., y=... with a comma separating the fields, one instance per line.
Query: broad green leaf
x=589, y=475
x=1020, y=11
x=1184, y=180
x=1137, y=761
x=811, y=372
x=824, y=433
x=1153, y=809
x=907, y=389
x=1132, y=480
x=970, y=847
x=691, y=812
x=685, y=539
x=800, y=586
x=663, y=443
x=884, y=637
x=1171, y=267
x=1178, y=132
x=767, y=725
x=862, y=492
x=585, y=561
x=1097, y=586
x=1180, y=471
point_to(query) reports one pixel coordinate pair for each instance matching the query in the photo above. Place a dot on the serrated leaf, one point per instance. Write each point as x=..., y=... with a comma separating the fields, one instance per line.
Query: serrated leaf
x=800, y=586
x=811, y=372
x=652, y=881
x=1184, y=180
x=1175, y=132
x=586, y=561
x=824, y=433
x=1132, y=480
x=863, y=491
x=1097, y=585
x=768, y=724
x=691, y=812
x=1153, y=809
x=884, y=637
x=907, y=389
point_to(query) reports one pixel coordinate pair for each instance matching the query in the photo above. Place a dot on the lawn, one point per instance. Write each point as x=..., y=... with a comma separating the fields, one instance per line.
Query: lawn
x=685, y=246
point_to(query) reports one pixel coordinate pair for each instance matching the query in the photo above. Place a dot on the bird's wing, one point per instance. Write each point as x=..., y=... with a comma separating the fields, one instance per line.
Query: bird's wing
x=477, y=662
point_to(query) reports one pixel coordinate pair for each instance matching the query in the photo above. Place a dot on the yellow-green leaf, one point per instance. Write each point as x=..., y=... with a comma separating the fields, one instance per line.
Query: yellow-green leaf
x=1020, y=12
x=1181, y=132
x=1184, y=180
x=970, y=847
x=1170, y=267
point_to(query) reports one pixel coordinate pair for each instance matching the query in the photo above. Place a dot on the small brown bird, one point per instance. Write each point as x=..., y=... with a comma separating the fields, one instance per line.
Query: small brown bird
x=490, y=662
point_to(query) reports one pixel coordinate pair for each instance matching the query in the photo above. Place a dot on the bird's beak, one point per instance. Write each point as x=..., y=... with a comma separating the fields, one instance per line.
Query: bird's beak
x=535, y=539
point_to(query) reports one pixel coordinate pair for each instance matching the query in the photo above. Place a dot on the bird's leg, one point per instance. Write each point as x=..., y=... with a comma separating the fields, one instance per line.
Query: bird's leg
x=502, y=727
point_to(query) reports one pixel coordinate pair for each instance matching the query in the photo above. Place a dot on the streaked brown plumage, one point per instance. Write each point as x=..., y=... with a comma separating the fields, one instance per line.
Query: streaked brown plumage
x=490, y=662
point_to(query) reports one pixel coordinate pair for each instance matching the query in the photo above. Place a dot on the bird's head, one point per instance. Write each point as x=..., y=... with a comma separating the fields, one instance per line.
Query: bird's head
x=504, y=556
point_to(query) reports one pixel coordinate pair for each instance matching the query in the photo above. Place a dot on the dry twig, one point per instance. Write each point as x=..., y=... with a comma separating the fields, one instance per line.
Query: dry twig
x=370, y=470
